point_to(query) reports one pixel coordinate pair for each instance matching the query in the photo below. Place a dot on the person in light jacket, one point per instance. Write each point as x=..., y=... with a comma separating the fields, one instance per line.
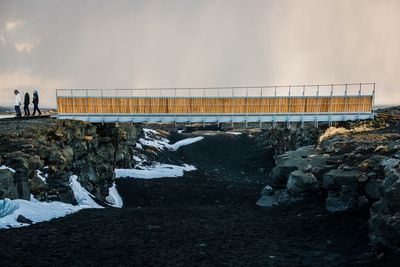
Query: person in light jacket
x=35, y=102
x=27, y=101
x=17, y=104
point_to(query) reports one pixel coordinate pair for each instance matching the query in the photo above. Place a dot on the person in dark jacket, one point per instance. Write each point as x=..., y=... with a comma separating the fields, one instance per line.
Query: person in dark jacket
x=35, y=102
x=27, y=101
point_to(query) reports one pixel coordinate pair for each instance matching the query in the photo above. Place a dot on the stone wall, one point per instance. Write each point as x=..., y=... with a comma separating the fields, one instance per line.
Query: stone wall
x=281, y=139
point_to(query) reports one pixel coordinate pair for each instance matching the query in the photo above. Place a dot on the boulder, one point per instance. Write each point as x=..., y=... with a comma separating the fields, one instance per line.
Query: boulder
x=23, y=219
x=8, y=188
x=37, y=184
x=337, y=202
x=389, y=164
x=373, y=189
x=300, y=182
x=267, y=201
x=392, y=197
x=335, y=179
x=303, y=159
x=280, y=198
x=391, y=177
x=267, y=191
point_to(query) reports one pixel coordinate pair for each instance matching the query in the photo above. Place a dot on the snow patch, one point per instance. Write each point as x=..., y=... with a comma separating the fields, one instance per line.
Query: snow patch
x=158, y=170
x=159, y=144
x=151, y=131
x=234, y=133
x=35, y=211
x=139, y=146
x=152, y=138
x=38, y=211
x=114, y=198
x=4, y=167
x=185, y=142
x=82, y=196
x=39, y=174
x=136, y=158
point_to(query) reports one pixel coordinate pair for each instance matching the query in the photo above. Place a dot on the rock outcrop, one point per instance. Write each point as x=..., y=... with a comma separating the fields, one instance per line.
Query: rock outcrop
x=352, y=167
x=39, y=156
x=281, y=139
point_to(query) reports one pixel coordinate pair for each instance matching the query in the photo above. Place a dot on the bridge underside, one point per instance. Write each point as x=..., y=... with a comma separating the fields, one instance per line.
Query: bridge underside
x=219, y=118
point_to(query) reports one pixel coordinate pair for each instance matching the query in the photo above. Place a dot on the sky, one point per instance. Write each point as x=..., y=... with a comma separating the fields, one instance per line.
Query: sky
x=49, y=44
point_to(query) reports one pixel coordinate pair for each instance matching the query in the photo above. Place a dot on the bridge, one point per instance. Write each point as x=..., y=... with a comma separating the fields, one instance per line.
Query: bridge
x=260, y=104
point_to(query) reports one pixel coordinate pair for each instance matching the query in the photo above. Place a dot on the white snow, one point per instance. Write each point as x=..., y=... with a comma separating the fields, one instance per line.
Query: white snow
x=38, y=211
x=35, y=211
x=158, y=170
x=185, y=142
x=147, y=131
x=82, y=196
x=4, y=167
x=152, y=138
x=234, y=133
x=139, y=146
x=159, y=144
x=114, y=198
x=136, y=158
x=39, y=174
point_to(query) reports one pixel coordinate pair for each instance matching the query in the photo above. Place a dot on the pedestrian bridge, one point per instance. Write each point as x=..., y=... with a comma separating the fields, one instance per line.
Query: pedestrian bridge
x=262, y=104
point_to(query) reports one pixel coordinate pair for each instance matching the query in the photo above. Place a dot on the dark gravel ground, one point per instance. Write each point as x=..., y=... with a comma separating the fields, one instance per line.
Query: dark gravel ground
x=205, y=218
x=192, y=221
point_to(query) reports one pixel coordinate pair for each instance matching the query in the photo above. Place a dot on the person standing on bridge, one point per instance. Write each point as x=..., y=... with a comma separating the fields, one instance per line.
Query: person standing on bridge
x=17, y=104
x=35, y=102
x=27, y=100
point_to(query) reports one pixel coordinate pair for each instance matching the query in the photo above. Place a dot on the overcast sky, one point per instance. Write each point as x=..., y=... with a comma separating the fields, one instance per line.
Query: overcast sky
x=127, y=44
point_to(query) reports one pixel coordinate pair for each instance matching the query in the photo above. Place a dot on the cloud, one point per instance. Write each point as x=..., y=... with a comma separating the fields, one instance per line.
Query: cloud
x=25, y=80
x=24, y=47
x=3, y=39
x=12, y=25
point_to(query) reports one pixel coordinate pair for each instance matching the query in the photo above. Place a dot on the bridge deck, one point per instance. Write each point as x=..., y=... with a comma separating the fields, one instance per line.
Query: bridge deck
x=122, y=105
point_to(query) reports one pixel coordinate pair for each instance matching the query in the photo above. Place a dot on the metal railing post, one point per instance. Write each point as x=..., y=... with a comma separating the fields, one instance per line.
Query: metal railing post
x=190, y=115
x=289, y=107
x=373, y=103
x=234, y=106
x=318, y=107
x=261, y=94
x=87, y=104
x=275, y=109
x=345, y=103
x=58, y=108
x=247, y=104
x=101, y=104
x=359, y=106
x=330, y=107
x=73, y=103
x=304, y=105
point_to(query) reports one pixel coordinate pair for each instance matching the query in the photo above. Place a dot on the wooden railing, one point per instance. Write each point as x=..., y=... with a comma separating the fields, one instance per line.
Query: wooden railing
x=334, y=98
x=134, y=105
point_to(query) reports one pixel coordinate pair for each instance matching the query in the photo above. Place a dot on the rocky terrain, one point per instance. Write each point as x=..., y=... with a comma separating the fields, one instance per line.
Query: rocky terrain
x=351, y=168
x=41, y=155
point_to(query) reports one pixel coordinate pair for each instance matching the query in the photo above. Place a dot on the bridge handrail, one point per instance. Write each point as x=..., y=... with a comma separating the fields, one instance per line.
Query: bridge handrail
x=223, y=87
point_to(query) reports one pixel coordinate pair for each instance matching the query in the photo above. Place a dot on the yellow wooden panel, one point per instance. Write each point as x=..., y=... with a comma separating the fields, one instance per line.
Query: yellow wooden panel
x=110, y=105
